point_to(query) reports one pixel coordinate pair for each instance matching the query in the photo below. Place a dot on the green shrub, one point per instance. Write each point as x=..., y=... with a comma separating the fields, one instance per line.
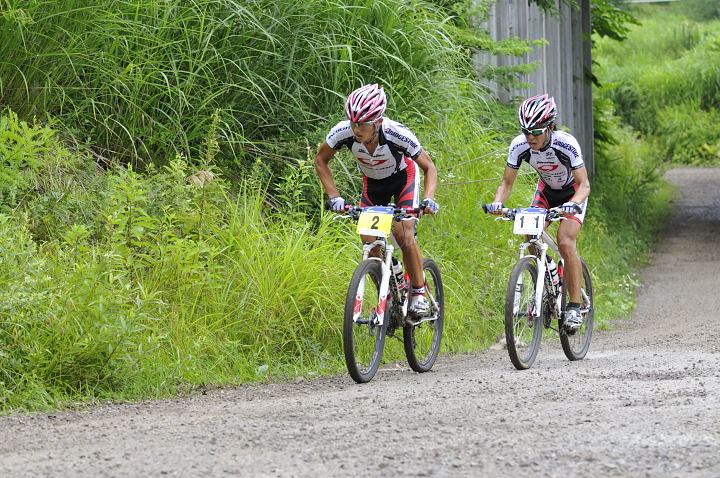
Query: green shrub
x=146, y=80
x=628, y=202
x=675, y=100
x=694, y=139
x=700, y=10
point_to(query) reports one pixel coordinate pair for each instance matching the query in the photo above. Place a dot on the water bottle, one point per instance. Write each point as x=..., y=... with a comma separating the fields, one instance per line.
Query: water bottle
x=552, y=268
x=397, y=271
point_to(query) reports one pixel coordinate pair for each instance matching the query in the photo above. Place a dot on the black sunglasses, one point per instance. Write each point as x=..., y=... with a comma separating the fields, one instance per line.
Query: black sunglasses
x=361, y=125
x=534, y=132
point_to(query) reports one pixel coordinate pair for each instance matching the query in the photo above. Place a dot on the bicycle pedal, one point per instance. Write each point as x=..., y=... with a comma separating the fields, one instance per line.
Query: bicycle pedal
x=415, y=320
x=412, y=321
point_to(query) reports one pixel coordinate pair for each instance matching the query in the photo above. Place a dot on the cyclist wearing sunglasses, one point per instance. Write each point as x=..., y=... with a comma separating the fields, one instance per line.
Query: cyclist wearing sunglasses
x=557, y=158
x=388, y=156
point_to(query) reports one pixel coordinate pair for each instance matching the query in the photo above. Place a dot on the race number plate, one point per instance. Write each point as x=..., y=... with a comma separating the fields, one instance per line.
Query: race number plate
x=529, y=221
x=375, y=221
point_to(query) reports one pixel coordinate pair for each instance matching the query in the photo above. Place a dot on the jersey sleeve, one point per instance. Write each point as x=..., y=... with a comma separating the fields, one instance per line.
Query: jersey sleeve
x=518, y=151
x=570, y=146
x=413, y=145
x=340, y=135
x=402, y=138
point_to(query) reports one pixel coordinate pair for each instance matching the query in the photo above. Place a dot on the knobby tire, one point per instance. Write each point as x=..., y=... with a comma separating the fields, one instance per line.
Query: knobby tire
x=576, y=345
x=363, y=342
x=422, y=341
x=523, y=330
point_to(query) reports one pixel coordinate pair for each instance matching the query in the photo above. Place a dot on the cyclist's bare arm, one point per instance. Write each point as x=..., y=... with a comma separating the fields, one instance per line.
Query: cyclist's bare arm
x=506, y=185
x=430, y=173
x=583, y=182
x=322, y=158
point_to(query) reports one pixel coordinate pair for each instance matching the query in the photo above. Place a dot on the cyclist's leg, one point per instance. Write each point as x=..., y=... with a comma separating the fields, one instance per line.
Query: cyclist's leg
x=407, y=194
x=567, y=243
x=404, y=232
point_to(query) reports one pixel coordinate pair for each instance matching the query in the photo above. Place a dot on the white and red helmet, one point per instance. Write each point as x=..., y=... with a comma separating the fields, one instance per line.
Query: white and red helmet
x=365, y=104
x=537, y=112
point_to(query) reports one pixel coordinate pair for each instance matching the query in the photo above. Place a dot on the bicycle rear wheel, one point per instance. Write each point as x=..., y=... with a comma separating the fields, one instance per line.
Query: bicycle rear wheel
x=363, y=338
x=523, y=330
x=422, y=341
x=576, y=344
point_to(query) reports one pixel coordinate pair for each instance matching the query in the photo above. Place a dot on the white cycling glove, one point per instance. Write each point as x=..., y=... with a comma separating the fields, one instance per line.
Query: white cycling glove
x=494, y=207
x=571, y=208
x=430, y=204
x=336, y=204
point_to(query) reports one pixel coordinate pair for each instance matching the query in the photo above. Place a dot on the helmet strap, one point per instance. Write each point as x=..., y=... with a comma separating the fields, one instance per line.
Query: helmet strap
x=548, y=134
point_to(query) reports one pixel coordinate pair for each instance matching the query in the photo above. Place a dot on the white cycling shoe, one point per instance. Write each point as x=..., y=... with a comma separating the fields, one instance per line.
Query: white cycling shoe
x=419, y=306
x=573, y=320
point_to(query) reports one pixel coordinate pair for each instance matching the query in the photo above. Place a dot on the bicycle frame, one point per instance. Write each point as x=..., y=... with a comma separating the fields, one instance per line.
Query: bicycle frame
x=527, y=314
x=377, y=310
x=387, y=279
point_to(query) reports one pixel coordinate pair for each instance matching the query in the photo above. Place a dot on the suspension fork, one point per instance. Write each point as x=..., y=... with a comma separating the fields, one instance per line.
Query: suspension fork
x=384, y=279
x=541, y=270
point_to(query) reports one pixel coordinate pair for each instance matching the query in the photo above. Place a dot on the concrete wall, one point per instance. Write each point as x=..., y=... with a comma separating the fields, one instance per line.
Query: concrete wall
x=564, y=58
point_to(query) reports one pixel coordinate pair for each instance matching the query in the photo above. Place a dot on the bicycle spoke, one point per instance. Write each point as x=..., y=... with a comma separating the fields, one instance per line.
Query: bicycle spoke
x=522, y=329
x=576, y=344
x=422, y=337
x=363, y=338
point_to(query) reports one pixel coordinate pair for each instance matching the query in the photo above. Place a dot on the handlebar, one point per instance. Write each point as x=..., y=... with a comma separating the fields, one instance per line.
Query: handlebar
x=552, y=214
x=399, y=213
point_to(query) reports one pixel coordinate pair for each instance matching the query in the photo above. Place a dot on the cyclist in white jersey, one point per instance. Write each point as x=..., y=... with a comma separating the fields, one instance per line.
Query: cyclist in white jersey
x=557, y=158
x=388, y=156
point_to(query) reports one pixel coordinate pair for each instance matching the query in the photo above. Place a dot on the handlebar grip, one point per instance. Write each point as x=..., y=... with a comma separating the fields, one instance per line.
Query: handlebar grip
x=485, y=207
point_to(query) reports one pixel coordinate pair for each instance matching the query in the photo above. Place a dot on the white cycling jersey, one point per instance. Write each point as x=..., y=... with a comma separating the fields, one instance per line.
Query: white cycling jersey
x=554, y=163
x=396, y=142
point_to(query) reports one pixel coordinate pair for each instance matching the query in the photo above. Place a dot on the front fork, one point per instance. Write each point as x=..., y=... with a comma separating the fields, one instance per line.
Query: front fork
x=541, y=271
x=384, y=281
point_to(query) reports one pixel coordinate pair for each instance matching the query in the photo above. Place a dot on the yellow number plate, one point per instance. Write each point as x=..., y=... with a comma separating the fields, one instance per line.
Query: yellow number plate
x=375, y=223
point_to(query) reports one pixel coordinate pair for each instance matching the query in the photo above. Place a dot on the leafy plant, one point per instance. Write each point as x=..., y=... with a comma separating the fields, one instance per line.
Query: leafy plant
x=675, y=101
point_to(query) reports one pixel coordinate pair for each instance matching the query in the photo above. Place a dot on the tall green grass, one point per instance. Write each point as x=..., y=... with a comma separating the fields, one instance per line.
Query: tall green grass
x=151, y=285
x=203, y=258
x=180, y=286
x=676, y=100
x=628, y=204
x=143, y=79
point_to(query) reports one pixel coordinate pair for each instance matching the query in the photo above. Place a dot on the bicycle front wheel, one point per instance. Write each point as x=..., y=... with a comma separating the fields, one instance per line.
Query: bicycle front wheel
x=576, y=344
x=422, y=340
x=523, y=327
x=363, y=337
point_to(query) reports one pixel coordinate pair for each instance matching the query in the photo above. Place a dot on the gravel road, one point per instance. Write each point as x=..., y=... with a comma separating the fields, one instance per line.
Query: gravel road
x=645, y=401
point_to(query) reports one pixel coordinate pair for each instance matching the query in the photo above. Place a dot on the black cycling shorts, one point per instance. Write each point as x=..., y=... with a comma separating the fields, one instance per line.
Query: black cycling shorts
x=402, y=188
x=547, y=198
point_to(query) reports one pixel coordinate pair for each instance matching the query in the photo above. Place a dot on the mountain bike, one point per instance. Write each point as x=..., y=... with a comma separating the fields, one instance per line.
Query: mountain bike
x=377, y=300
x=535, y=298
